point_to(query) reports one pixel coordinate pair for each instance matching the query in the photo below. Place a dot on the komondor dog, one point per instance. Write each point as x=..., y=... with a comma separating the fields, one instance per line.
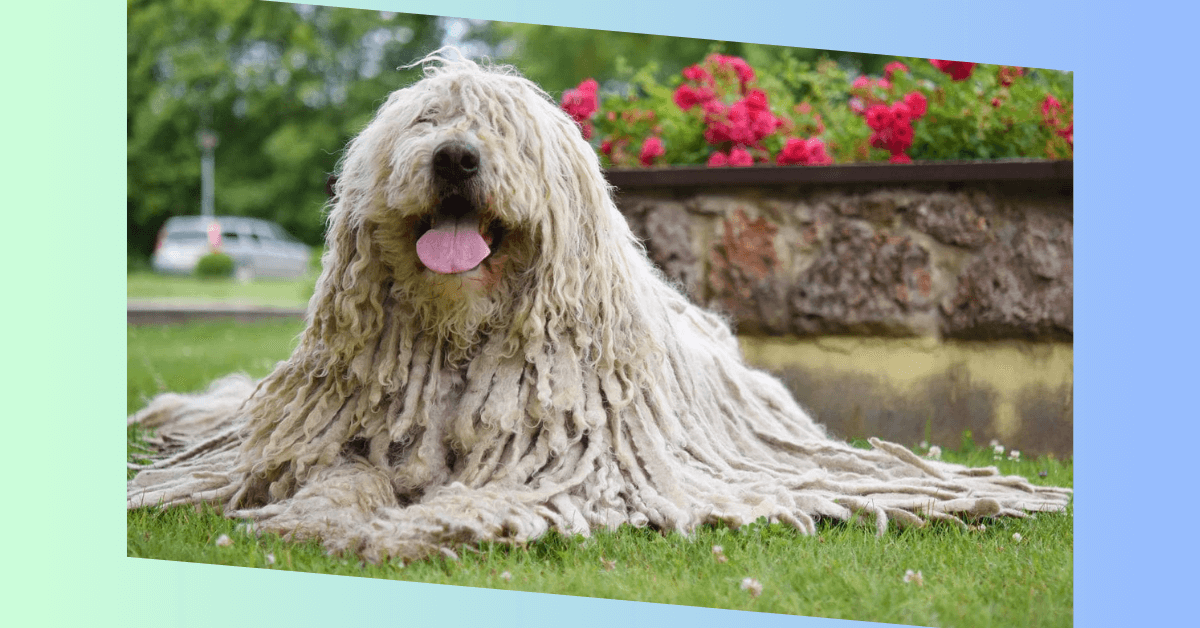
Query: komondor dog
x=490, y=354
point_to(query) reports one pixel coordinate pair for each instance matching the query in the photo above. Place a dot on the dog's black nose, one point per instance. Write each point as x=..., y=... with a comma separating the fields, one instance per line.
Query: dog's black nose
x=455, y=161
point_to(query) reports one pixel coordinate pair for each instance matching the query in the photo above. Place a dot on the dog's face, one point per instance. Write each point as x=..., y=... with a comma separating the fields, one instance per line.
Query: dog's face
x=474, y=187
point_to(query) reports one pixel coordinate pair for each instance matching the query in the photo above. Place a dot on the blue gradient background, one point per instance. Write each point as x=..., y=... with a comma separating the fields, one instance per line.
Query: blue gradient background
x=65, y=162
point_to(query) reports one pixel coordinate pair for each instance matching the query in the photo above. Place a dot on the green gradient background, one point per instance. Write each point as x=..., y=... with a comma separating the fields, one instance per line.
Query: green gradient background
x=65, y=159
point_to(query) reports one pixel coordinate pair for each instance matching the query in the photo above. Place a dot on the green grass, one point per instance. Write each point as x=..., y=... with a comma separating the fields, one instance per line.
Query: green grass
x=971, y=578
x=267, y=292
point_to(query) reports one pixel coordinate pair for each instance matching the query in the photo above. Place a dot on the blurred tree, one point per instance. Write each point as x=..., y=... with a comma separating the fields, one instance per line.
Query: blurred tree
x=283, y=86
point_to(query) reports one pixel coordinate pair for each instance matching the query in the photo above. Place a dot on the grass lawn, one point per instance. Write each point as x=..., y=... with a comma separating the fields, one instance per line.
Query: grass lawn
x=969, y=578
x=144, y=285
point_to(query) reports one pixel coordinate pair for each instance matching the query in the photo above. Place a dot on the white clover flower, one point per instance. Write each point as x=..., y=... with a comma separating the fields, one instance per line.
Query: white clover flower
x=1014, y=455
x=914, y=576
x=506, y=576
x=224, y=541
x=997, y=448
x=935, y=453
x=270, y=559
x=1017, y=536
x=753, y=586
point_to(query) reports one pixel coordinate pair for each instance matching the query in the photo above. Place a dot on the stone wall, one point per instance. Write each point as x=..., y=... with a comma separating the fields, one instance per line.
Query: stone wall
x=964, y=269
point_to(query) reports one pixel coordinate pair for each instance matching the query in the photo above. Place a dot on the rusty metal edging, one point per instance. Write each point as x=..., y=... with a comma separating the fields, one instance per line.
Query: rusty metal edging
x=1061, y=172
x=1043, y=171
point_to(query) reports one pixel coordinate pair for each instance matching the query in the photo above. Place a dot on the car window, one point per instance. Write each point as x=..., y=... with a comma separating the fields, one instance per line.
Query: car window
x=186, y=236
x=263, y=233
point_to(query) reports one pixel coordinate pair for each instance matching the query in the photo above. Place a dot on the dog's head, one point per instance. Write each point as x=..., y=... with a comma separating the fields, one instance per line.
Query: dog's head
x=478, y=203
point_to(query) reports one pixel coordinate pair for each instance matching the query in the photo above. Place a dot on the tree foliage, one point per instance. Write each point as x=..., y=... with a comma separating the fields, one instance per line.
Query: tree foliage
x=283, y=86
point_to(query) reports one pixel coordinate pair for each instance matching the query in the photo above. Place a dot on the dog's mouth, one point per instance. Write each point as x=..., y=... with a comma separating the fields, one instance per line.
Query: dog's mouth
x=457, y=236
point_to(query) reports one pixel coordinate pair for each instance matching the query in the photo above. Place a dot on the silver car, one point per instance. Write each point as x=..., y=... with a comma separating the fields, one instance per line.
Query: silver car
x=259, y=248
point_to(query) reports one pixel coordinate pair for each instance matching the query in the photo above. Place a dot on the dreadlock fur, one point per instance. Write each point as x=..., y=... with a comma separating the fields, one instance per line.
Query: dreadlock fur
x=563, y=383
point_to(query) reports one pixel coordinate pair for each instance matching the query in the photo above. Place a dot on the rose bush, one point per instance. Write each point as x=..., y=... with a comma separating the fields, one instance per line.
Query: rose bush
x=723, y=112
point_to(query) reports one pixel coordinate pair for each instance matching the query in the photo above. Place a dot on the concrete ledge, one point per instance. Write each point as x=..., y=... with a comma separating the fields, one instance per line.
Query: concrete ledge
x=912, y=389
x=167, y=312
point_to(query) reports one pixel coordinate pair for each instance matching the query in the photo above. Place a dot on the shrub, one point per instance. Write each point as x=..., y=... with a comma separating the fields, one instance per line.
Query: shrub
x=722, y=112
x=215, y=264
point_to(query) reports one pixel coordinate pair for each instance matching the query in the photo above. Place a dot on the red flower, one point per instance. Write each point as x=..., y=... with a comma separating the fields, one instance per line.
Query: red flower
x=894, y=67
x=697, y=74
x=652, y=149
x=958, y=70
x=744, y=72
x=879, y=117
x=756, y=100
x=794, y=152
x=1050, y=109
x=808, y=152
x=581, y=102
x=606, y=147
x=713, y=109
x=996, y=102
x=901, y=113
x=717, y=160
x=717, y=133
x=1009, y=73
x=738, y=66
x=900, y=158
x=857, y=106
x=862, y=82
x=916, y=104
x=686, y=97
x=739, y=157
x=884, y=83
x=586, y=128
x=816, y=153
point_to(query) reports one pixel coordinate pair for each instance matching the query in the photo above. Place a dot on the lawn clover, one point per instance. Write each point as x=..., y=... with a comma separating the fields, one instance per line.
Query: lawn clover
x=270, y=559
x=935, y=453
x=1014, y=455
x=753, y=586
x=719, y=554
x=914, y=576
x=1017, y=537
x=506, y=576
x=224, y=541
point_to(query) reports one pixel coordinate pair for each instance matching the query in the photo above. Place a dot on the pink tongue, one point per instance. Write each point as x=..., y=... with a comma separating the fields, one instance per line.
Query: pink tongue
x=453, y=245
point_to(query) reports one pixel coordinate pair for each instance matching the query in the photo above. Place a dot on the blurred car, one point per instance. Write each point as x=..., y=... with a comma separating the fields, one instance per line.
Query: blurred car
x=259, y=248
